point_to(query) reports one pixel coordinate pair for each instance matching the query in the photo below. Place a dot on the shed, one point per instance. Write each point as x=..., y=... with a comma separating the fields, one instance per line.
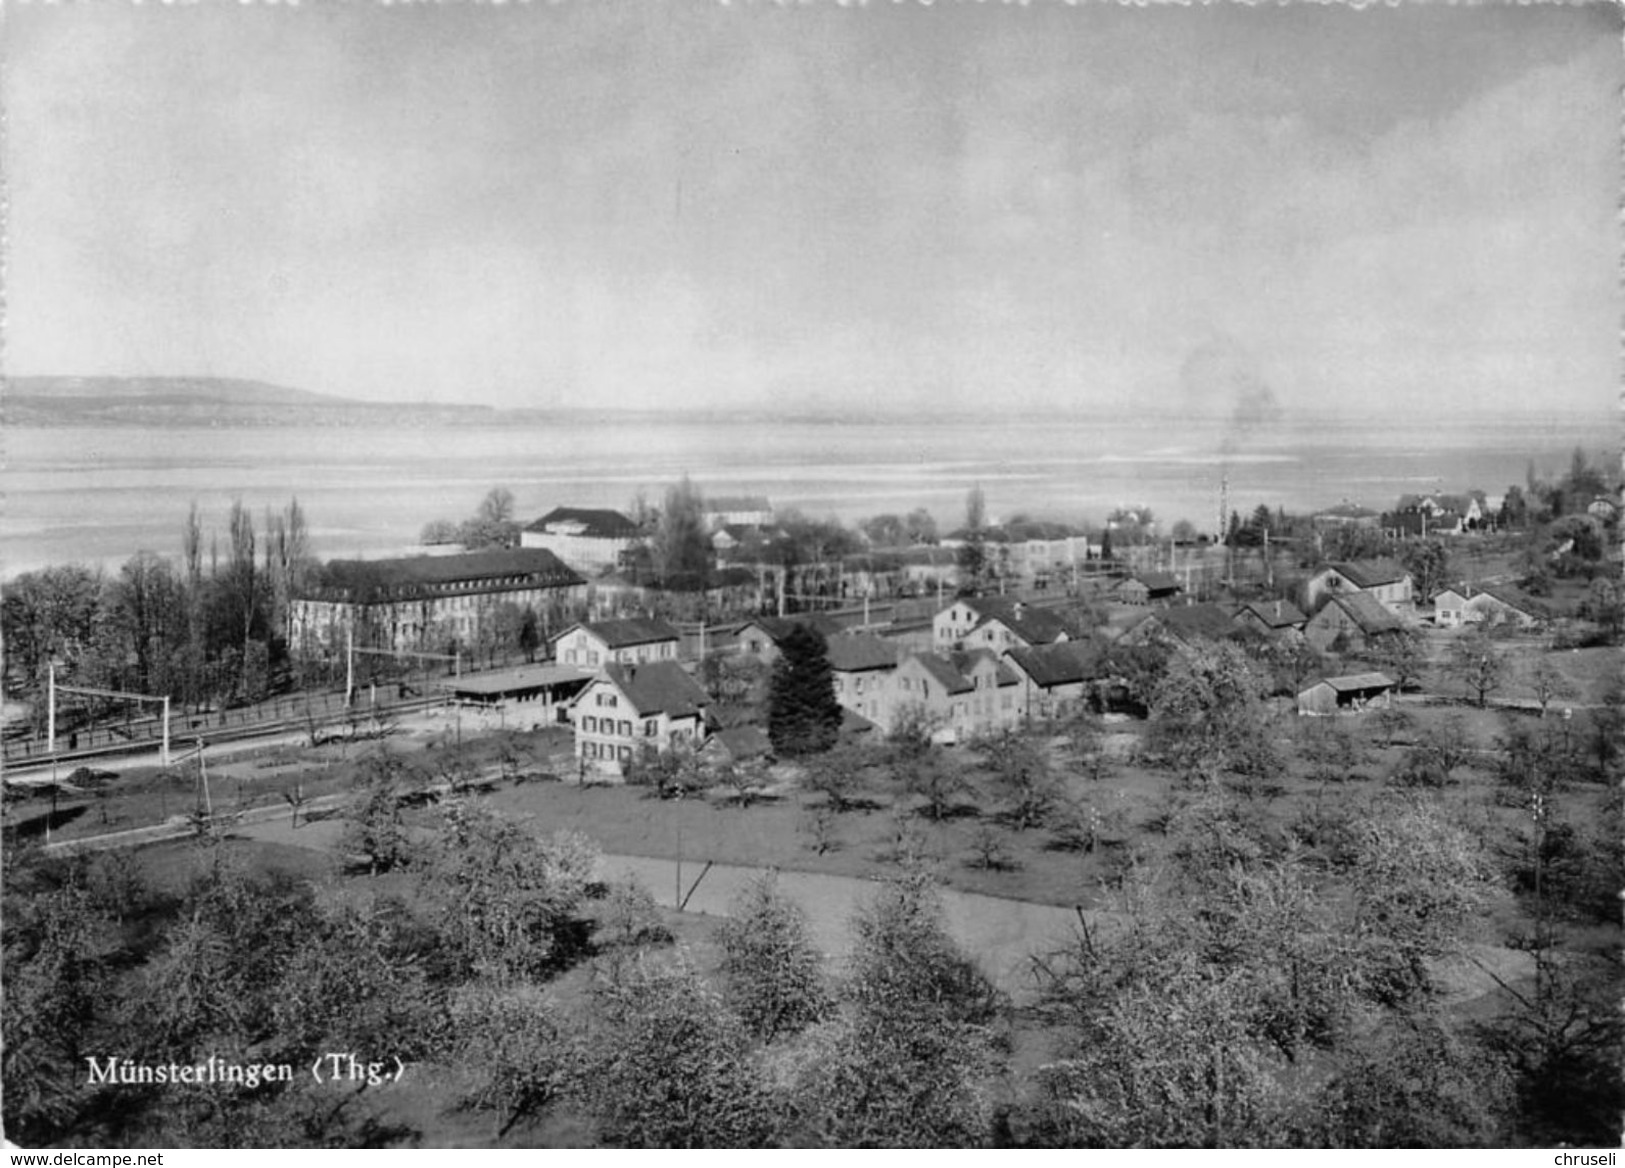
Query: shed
x=1350, y=694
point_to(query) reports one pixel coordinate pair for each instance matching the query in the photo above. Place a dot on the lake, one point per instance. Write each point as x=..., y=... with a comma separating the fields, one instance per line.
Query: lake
x=99, y=495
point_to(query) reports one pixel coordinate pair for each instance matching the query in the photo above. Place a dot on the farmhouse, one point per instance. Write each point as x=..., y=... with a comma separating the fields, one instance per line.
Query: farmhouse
x=1271, y=618
x=590, y=541
x=1148, y=588
x=762, y=637
x=426, y=602
x=862, y=668
x=1450, y=609
x=628, y=641
x=1057, y=678
x=1384, y=580
x=1357, y=619
x=1500, y=605
x=960, y=695
x=1182, y=624
x=1346, y=695
x=627, y=707
x=992, y=622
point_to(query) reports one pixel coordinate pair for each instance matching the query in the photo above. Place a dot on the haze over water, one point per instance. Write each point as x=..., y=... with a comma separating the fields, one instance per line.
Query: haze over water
x=99, y=495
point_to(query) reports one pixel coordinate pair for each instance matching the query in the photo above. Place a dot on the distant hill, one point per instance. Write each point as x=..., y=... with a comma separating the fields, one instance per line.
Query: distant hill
x=205, y=401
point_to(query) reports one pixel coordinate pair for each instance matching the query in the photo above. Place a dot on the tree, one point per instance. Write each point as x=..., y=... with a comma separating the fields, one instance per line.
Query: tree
x=920, y=527
x=508, y=902
x=665, y=1063
x=972, y=556
x=1546, y=683
x=803, y=716
x=1207, y=713
x=373, y=827
x=1184, y=531
x=773, y=972
x=886, y=531
x=680, y=547
x=910, y=1063
x=1428, y=562
x=1476, y=662
x=1402, y=655
x=1022, y=773
x=517, y=1048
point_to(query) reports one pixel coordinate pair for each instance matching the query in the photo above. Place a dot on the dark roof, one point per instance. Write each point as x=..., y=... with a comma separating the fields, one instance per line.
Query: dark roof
x=779, y=627
x=1197, y=620
x=943, y=672
x=1521, y=601
x=518, y=679
x=854, y=653
x=622, y=634
x=1276, y=614
x=1367, y=612
x=374, y=581
x=1356, y=682
x=742, y=742
x=1063, y=663
x=659, y=687
x=1155, y=581
x=1036, y=626
x=965, y=662
x=1370, y=573
x=593, y=524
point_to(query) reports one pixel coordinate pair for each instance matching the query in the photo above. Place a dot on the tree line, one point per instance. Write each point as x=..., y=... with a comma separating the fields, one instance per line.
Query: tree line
x=211, y=628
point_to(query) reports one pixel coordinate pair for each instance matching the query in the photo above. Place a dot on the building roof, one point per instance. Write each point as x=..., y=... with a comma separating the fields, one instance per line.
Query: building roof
x=1063, y=663
x=1276, y=614
x=516, y=680
x=1036, y=626
x=856, y=653
x=374, y=581
x=1370, y=573
x=930, y=556
x=779, y=627
x=944, y=673
x=1367, y=612
x=1356, y=682
x=1155, y=581
x=586, y=523
x=742, y=742
x=965, y=662
x=623, y=634
x=1213, y=621
x=1512, y=598
x=658, y=687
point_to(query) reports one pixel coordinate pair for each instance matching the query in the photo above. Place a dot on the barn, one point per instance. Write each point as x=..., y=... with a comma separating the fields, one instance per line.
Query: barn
x=1346, y=695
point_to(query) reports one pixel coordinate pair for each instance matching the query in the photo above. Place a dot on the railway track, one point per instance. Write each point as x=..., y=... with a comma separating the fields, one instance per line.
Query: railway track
x=18, y=763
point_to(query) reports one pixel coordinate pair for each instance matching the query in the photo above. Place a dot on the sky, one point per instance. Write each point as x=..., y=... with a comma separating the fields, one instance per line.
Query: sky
x=885, y=206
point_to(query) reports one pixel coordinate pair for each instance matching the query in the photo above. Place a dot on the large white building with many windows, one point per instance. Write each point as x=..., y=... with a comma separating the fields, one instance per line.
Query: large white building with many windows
x=429, y=602
x=629, y=707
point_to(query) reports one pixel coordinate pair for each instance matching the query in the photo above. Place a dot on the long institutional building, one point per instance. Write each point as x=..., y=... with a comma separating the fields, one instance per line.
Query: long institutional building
x=403, y=603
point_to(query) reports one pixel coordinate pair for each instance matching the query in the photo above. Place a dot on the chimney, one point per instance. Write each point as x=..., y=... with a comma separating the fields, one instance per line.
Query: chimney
x=1019, y=608
x=1277, y=610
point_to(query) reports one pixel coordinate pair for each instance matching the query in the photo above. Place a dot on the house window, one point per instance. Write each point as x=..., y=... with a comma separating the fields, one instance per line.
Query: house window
x=592, y=657
x=626, y=729
x=626, y=754
x=651, y=727
x=589, y=724
x=840, y=686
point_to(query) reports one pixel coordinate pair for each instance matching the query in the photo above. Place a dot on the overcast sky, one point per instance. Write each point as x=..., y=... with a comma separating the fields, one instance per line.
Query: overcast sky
x=682, y=203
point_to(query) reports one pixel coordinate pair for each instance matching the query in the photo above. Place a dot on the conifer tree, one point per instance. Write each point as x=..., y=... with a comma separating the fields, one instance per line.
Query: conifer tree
x=803, y=716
